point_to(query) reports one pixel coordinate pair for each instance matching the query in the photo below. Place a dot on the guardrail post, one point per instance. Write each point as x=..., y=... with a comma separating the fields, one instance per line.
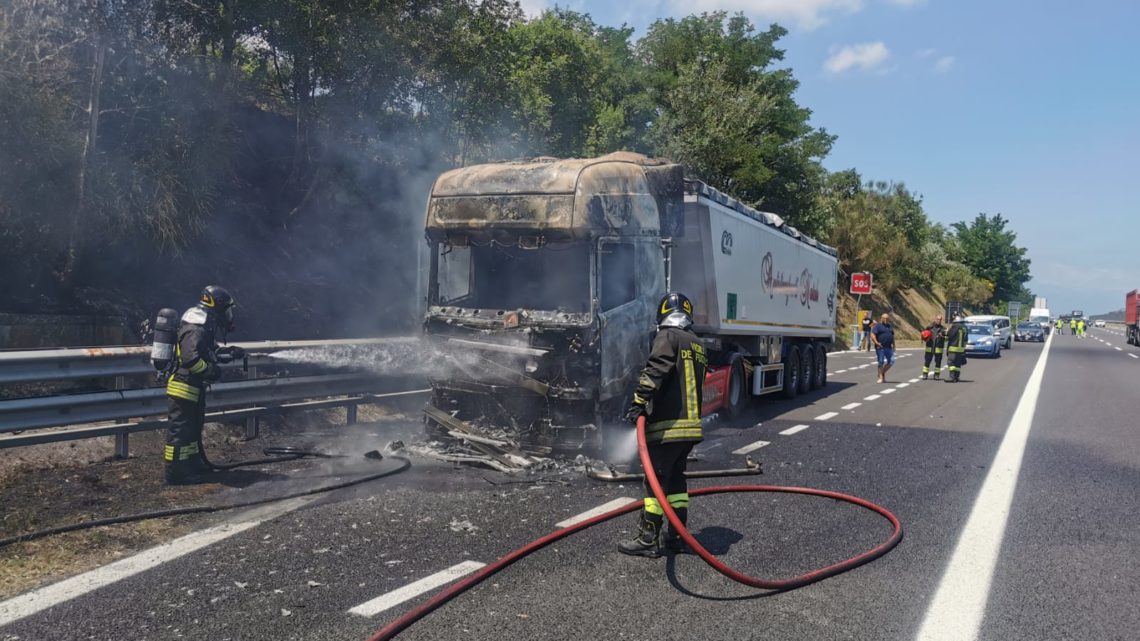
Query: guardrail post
x=350, y=414
x=251, y=427
x=123, y=438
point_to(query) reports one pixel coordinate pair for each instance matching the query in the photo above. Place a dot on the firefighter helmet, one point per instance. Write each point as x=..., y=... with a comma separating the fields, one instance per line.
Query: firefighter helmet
x=216, y=300
x=675, y=310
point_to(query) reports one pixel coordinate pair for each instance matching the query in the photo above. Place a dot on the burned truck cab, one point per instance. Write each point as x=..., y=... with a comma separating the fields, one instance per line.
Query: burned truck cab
x=543, y=279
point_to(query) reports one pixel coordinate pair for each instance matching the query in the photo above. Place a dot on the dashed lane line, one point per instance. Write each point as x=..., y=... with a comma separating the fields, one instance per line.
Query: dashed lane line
x=902, y=385
x=752, y=447
x=850, y=406
x=888, y=391
x=872, y=397
x=959, y=605
x=826, y=415
x=1134, y=356
x=793, y=430
x=1118, y=349
x=840, y=371
x=413, y=590
x=601, y=509
x=913, y=380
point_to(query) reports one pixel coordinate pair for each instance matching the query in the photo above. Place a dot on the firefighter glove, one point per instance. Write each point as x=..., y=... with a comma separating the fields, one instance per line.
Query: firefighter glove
x=634, y=412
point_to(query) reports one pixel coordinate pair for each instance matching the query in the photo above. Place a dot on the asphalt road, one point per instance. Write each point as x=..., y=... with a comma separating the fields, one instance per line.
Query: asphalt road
x=1061, y=562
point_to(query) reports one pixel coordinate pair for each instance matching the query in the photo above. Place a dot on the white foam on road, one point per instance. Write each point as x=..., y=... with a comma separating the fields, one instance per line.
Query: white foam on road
x=826, y=415
x=956, y=612
x=50, y=596
x=794, y=429
x=872, y=397
x=751, y=447
x=589, y=514
x=413, y=590
x=850, y=406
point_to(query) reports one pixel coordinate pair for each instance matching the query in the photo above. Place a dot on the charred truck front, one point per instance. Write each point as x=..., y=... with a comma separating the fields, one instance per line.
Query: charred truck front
x=543, y=281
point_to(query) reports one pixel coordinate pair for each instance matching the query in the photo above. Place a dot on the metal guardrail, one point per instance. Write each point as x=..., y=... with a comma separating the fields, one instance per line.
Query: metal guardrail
x=39, y=365
x=76, y=416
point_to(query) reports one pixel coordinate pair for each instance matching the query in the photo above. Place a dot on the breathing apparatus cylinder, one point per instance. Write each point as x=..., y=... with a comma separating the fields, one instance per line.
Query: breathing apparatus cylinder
x=165, y=336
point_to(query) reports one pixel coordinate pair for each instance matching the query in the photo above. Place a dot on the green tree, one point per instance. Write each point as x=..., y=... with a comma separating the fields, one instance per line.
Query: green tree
x=990, y=251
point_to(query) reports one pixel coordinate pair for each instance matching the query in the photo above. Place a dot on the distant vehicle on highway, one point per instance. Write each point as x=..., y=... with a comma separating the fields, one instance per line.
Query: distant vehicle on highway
x=1041, y=316
x=1029, y=331
x=1098, y=323
x=983, y=339
x=1132, y=317
x=1002, y=325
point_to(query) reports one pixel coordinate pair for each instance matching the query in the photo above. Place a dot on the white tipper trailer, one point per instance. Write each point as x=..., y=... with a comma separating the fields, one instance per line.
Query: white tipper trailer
x=546, y=274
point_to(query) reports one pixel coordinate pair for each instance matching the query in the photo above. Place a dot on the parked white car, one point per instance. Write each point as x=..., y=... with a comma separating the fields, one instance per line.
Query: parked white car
x=1098, y=323
x=1003, y=327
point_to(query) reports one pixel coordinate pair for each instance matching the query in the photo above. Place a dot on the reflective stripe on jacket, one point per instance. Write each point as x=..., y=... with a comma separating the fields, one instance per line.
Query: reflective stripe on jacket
x=195, y=362
x=671, y=387
x=956, y=339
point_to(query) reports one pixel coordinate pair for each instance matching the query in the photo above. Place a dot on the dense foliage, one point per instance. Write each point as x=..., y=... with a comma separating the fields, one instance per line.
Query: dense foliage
x=284, y=148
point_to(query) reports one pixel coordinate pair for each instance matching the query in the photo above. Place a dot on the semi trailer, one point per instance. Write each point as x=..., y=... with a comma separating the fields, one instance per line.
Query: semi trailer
x=544, y=278
x=1132, y=317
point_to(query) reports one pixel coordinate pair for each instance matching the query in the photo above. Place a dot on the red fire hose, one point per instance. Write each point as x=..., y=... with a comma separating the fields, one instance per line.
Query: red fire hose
x=415, y=614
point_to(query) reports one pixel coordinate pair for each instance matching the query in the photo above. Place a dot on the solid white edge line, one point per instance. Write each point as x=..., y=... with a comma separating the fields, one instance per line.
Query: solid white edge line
x=751, y=447
x=49, y=596
x=826, y=415
x=591, y=513
x=850, y=406
x=872, y=397
x=793, y=430
x=413, y=590
x=957, y=609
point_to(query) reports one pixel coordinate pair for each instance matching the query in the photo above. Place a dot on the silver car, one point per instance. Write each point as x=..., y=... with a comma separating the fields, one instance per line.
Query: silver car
x=1003, y=328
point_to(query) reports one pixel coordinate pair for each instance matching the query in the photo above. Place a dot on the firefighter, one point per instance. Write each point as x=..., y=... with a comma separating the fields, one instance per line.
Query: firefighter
x=956, y=348
x=935, y=338
x=1059, y=328
x=668, y=394
x=1081, y=328
x=1073, y=326
x=197, y=357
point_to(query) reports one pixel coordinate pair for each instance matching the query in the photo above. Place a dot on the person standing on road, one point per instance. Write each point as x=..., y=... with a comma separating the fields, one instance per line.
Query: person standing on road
x=1073, y=326
x=956, y=348
x=668, y=395
x=197, y=357
x=1059, y=328
x=883, y=335
x=866, y=323
x=935, y=345
x=1081, y=328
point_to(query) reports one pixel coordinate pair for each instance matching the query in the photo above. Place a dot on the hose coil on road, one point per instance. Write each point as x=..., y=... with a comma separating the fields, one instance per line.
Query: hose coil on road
x=415, y=614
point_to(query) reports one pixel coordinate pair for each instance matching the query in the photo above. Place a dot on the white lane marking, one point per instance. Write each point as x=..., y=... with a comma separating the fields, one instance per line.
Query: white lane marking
x=888, y=391
x=850, y=406
x=864, y=365
x=902, y=385
x=1134, y=356
x=872, y=397
x=840, y=371
x=751, y=447
x=591, y=513
x=1109, y=344
x=958, y=606
x=52, y=595
x=826, y=415
x=794, y=429
x=913, y=380
x=413, y=590
x=1118, y=349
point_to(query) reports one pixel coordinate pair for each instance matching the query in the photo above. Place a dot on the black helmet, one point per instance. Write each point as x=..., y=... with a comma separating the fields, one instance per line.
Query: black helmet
x=216, y=300
x=675, y=310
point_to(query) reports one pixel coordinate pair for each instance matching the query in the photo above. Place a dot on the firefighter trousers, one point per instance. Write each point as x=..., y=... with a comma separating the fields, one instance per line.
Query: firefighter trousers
x=669, y=461
x=183, y=453
x=932, y=354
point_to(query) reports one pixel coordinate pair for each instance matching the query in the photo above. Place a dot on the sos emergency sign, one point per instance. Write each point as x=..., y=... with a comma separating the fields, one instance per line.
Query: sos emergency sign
x=861, y=283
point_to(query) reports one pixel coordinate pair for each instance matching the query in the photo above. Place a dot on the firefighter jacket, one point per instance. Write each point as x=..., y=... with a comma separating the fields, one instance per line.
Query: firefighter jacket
x=937, y=338
x=195, y=361
x=956, y=339
x=671, y=387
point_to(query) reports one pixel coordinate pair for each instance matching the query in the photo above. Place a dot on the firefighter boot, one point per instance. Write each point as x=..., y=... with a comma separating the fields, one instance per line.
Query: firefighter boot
x=937, y=374
x=672, y=542
x=925, y=376
x=180, y=465
x=646, y=541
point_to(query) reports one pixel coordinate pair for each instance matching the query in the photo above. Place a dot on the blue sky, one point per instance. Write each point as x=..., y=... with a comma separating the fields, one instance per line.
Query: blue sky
x=1026, y=108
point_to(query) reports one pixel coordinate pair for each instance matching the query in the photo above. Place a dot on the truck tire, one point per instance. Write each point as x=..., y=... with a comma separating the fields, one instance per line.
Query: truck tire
x=820, y=366
x=738, y=393
x=792, y=374
x=807, y=368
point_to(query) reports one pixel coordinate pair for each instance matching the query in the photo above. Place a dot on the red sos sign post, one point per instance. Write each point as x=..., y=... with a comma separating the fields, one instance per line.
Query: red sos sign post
x=861, y=283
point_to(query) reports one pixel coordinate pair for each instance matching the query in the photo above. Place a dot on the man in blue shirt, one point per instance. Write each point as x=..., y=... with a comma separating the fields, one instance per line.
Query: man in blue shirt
x=883, y=336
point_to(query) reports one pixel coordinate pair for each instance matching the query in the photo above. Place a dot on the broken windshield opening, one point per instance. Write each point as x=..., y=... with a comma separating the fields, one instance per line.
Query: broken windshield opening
x=555, y=277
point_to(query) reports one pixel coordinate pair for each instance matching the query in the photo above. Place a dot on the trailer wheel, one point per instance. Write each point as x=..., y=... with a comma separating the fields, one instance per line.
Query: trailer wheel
x=792, y=374
x=737, y=389
x=820, y=366
x=807, y=368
